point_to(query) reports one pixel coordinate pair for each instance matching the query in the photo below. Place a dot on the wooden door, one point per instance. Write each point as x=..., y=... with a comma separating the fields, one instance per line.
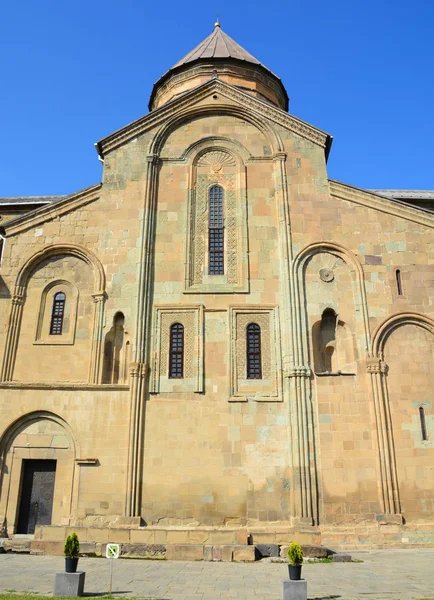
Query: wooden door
x=37, y=489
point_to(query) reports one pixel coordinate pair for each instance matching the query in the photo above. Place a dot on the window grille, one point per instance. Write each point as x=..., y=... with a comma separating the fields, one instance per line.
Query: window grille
x=216, y=231
x=57, y=314
x=254, y=361
x=176, y=354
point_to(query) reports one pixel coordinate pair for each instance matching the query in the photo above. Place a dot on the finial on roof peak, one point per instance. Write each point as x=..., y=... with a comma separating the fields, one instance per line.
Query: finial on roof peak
x=217, y=23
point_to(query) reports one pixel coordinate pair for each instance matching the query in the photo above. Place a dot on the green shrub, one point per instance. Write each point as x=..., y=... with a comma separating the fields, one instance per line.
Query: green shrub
x=72, y=546
x=295, y=554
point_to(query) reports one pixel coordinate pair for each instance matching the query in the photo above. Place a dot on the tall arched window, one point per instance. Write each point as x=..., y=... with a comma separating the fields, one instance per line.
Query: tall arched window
x=253, y=346
x=57, y=314
x=216, y=231
x=176, y=354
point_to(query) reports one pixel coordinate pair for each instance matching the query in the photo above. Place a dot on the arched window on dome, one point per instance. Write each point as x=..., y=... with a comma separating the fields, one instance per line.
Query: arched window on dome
x=57, y=314
x=216, y=256
x=253, y=347
x=176, y=353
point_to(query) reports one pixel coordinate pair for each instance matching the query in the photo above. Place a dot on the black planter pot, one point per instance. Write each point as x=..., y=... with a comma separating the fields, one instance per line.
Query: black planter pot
x=71, y=564
x=294, y=572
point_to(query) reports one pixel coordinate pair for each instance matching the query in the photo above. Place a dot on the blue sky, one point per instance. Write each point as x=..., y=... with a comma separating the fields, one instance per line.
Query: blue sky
x=73, y=72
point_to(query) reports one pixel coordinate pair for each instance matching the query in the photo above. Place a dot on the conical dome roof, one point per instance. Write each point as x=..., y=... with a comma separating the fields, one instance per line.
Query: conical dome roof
x=219, y=53
x=218, y=45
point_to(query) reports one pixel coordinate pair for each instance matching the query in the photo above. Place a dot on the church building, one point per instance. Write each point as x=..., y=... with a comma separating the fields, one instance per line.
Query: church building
x=217, y=346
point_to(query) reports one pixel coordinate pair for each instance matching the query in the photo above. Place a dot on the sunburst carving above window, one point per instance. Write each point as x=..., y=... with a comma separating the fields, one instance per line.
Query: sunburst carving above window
x=216, y=161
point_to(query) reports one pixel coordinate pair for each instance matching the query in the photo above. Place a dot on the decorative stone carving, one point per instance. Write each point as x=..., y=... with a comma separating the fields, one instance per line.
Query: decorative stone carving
x=192, y=319
x=217, y=166
x=326, y=275
x=216, y=160
x=269, y=387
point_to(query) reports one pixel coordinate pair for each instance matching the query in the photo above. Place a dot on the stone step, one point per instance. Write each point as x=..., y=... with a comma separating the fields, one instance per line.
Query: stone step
x=18, y=545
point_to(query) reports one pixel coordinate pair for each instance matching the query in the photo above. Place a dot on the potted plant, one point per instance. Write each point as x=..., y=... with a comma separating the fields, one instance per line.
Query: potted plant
x=71, y=551
x=295, y=558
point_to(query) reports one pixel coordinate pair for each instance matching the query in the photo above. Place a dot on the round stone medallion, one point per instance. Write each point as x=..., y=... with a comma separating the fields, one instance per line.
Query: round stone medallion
x=326, y=275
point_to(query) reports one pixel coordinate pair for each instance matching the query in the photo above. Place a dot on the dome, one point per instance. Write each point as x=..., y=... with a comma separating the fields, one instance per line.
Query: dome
x=219, y=56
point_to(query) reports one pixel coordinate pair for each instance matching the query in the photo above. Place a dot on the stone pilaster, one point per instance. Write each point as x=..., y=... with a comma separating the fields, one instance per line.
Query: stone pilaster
x=12, y=336
x=138, y=373
x=96, y=350
x=298, y=391
x=388, y=483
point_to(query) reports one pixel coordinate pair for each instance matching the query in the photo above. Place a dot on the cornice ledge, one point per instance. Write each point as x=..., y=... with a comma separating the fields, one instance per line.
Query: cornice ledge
x=365, y=198
x=56, y=385
x=49, y=212
x=157, y=116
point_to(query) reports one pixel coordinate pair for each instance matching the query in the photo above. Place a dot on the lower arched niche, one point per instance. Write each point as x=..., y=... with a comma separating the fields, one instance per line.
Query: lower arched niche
x=409, y=354
x=37, y=462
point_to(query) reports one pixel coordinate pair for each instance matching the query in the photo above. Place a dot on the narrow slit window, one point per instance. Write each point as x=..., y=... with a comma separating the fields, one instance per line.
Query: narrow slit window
x=176, y=354
x=423, y=423
x=254, y=360
x=216, y=231
x=57, y=314
x=398, y=281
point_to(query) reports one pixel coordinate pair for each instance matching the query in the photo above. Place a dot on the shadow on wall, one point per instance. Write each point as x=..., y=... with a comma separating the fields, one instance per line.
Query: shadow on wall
x=116, y=352
x=4, y=290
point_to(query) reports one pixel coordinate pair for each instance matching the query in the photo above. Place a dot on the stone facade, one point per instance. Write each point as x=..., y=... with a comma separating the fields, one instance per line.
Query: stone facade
x=337, y=435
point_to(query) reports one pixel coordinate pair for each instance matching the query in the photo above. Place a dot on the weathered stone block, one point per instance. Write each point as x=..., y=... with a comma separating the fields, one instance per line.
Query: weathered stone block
x=266, y=550
x=227, y=553
x=339, y=557
x=207, y=553
x=119, y=536
x=69, y=584
x=315, y=551
x=244, y=554
x=178, y=537
x=46, y=547
x=88, y=548
x=294, y=590
x=156, y=551
x=17, y=545
x=142, y=536
x=184, y=552
x=222, y=537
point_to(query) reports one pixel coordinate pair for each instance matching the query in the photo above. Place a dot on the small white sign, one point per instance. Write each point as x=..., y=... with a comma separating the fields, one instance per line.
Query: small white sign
x=112, y=551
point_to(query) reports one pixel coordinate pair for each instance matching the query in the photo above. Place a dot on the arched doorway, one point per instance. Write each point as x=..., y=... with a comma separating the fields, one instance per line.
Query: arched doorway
x=37, y=465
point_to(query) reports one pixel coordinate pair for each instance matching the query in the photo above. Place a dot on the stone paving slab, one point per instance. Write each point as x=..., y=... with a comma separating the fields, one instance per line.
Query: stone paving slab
x=384, y=575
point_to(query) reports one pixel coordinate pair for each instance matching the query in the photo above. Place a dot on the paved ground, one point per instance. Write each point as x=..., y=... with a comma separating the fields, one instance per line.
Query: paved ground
x=384, y=575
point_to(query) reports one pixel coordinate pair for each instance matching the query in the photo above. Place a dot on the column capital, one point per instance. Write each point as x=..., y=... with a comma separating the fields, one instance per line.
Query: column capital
x=300, y=371
x=99, y=297
x=17, y=300
x=376, y=365
x=138, y=369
